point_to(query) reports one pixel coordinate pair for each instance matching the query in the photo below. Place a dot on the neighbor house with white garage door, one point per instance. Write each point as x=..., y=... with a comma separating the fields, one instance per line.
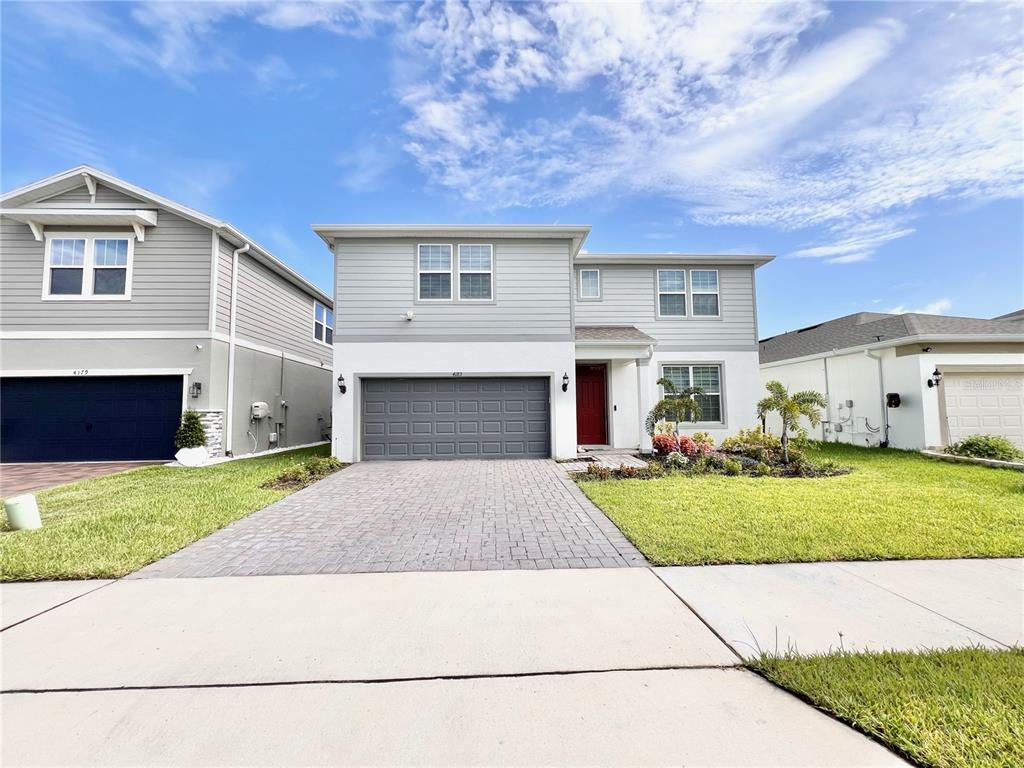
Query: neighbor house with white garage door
x=120, y=308
x=908, y=381
x=511, y=341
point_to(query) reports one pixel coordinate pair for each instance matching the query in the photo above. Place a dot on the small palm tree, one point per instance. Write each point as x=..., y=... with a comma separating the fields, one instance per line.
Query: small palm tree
x=790, y=408
x=677, y=406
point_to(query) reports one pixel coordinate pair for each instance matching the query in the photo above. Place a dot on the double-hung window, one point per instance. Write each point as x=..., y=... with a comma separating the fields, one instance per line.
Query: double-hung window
x=706, y=377
x=88, y=267
x=671, y=292
x=704, y=292
x=476, y=270
x=323, y=323
x=434, y=273
x=590, y=284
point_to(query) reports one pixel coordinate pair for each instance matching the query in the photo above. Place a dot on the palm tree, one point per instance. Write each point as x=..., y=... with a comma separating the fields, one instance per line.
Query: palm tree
x=677, y=406
x=790, y=408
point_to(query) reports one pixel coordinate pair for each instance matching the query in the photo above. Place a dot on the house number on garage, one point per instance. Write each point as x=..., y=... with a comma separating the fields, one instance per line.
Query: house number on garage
x=80, y=372
x=456, y=373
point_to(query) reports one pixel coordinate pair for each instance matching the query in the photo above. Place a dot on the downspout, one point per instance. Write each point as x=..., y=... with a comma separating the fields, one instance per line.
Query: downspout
x=881, y=387
x=828, y=402
x=231, y=347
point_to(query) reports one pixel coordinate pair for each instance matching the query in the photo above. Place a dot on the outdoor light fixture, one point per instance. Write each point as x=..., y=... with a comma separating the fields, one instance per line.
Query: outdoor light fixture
x=935, y=380
x=341, y=383
x=565, y=382
x=196, y=389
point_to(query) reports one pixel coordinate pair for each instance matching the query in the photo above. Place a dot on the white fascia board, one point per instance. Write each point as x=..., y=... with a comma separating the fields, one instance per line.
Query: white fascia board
x=15, y=335
x=325, y=364
x=756, y=260
x=614, y=351
x=902, y=341
x=83, y=216
x=73, y=178
x=575, y=232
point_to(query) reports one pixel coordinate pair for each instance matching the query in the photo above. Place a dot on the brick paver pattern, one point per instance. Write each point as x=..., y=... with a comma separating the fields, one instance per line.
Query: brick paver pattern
x=415, y=516
x=19, y=478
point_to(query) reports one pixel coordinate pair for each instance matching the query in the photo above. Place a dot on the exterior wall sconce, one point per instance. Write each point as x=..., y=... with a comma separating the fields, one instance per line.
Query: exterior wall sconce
x=935, y=380
x=565, y=382
x=195, y=388
x=341, y=384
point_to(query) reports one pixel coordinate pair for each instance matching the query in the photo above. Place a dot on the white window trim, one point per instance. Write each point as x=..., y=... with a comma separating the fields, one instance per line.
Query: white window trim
x=580, y=285
x=658, y=293
x=88, y=267
x=457, y=265
x=324, y=323
x=720, y=393
x=717, y=292
x=449, y=272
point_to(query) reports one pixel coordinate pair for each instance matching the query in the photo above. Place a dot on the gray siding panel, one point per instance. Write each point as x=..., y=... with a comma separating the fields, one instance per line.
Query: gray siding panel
x=376, y=284
x=628, y=298
x=223, y=319
x=170, y=283
x=274, y=312
x=79, y=197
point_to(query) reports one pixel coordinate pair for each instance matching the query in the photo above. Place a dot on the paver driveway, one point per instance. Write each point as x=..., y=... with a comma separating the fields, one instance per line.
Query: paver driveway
x=416, y=516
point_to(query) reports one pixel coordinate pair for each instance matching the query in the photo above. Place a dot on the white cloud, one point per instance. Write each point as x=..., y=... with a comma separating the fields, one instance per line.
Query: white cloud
x=857, y=244
x=937, y=307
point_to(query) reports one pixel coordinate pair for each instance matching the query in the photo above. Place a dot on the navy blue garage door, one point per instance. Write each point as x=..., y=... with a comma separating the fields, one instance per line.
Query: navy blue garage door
x=95, y=418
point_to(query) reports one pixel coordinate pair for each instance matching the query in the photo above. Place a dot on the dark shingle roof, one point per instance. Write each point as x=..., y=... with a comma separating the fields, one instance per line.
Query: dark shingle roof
x=1016, y=316
x=611, y=333
x=870, y=327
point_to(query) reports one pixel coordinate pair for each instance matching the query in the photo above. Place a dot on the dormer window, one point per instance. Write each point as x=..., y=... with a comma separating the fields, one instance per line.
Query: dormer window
x=93, y=266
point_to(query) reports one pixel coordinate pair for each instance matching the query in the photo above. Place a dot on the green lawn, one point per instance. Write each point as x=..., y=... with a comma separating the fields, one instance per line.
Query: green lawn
x=111, y=526
x=895, y=505
x=942, y=708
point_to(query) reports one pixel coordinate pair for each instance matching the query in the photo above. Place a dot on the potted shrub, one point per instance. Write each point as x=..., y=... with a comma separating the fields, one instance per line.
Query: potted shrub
x=190, y=440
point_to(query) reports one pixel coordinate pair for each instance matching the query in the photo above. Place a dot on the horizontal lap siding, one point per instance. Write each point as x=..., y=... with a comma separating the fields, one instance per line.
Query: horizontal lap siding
x=224, y=251
x=628, y=298
x=274, y=312
x=79, y=196
x=170, y=282
x=376, y=286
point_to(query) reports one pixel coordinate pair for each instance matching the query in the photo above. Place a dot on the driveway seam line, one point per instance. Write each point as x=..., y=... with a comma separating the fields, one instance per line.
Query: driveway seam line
x=58, y=605
x=375, y=680
x=696, y=613
x=921, y=605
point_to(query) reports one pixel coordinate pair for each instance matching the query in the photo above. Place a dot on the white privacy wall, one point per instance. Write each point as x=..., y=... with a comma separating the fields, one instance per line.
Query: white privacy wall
x=441, y=359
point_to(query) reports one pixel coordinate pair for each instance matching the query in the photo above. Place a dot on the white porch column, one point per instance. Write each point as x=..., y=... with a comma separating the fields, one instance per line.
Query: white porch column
x=643, y=399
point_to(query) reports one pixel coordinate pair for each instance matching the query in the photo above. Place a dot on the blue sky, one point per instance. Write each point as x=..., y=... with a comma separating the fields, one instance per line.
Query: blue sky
x=876, y=149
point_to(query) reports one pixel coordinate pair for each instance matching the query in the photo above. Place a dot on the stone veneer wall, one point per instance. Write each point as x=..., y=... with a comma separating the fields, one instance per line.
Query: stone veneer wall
x=213, y=423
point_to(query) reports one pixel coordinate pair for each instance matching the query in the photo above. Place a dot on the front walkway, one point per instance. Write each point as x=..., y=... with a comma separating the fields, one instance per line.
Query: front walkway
x=19, y=478
x=416, y=516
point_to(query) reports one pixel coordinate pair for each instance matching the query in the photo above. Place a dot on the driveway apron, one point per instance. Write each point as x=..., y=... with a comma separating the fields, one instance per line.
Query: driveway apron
x=416, y=516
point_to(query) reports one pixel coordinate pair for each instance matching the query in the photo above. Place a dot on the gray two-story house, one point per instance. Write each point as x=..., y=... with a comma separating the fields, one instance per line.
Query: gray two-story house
x=510, y=341
x=119, y=309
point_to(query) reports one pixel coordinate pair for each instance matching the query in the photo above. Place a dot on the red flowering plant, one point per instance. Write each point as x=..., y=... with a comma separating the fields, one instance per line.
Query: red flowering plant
x=664, y=444
x=689, y=448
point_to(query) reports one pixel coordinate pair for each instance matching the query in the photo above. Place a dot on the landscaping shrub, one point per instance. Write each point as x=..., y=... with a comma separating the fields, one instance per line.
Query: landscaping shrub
x=664, y=444
x=303, y=474
x=704, y=437
x=191, y=433
x=732, y=467
x=598, y=472
x=762, y=469
x=758, y=445
x=986, y=447
x=676, y=460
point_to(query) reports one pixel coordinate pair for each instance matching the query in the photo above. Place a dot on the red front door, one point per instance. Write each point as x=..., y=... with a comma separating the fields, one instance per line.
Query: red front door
x=591, y=404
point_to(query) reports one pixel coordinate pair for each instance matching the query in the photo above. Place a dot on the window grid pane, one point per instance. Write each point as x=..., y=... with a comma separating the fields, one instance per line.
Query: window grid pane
x=710, y=407
x=704, y=280
x=330, y=318
x=475, y=258
x=672, y=280
x=109, y=282
x=707, y=377
x=678, y=375
x=475, y=286
x=672, y=304
x=318, y=331
x=318, y=313
x=590, y=282
x=435, y=285
x=705, y=304
x=435, y=258
x=66, y=282
x=110, y=253
x=67, y=253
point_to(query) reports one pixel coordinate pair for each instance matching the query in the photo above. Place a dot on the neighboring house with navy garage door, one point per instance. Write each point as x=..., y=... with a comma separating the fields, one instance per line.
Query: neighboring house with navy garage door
x=510, y=341
x=120, y=308
x=909, y=380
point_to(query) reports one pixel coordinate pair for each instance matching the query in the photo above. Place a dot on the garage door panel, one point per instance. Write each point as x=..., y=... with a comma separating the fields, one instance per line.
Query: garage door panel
x=455, y=418
x=984, y=403
x=99, y=418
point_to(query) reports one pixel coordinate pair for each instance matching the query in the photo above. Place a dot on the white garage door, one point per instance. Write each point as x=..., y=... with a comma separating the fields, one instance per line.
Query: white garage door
x=985, y=404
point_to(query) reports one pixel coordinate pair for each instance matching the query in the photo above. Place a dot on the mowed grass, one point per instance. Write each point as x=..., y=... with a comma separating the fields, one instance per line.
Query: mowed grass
x=952, y=709
x=895, y=505
x=111, y=526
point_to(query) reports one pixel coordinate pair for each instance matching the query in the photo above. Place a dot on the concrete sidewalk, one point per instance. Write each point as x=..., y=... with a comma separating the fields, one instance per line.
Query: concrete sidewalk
x=601, y=667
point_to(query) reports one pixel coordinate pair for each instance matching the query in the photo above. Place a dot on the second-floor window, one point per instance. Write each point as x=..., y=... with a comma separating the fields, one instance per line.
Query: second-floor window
x=476, y=269
x=434, y=273
x=323, y=323
x=90, y=266
x=671, y=293
x=704, y=292
x=590, y=284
